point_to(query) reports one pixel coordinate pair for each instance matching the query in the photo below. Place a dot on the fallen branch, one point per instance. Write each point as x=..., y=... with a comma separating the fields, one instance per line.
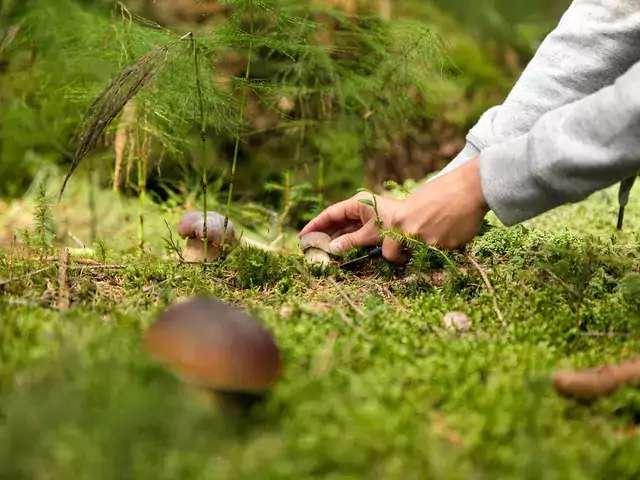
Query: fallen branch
x=26, y=275
x=99, y=267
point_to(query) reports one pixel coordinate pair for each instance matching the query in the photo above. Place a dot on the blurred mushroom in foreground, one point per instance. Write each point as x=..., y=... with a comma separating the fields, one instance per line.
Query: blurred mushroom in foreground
x=216, y=347
x=596, y=382
x=315, y=246
x=191, y=227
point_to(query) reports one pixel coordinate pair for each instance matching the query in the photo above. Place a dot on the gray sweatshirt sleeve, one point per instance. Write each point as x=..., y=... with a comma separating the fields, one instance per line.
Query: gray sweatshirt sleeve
x=594, y=43
x=567, y=155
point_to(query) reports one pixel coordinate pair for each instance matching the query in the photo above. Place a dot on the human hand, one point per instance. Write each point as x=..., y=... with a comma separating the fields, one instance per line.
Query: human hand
x=446, y=212
x=352, y=224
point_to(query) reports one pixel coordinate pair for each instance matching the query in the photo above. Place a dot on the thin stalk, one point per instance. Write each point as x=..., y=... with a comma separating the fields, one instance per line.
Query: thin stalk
x=142, y=187
x=140, y=205
x=93, y=214
x=286, y=194
x=203, y=136
x=240, y=118
x=321, y=182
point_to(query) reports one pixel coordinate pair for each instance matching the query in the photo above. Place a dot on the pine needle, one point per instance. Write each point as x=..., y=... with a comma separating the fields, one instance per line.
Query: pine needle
x=9, y=36
x=110, y=102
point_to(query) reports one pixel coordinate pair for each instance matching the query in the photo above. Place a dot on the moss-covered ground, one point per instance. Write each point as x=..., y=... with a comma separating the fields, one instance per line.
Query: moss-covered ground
x=373, y=384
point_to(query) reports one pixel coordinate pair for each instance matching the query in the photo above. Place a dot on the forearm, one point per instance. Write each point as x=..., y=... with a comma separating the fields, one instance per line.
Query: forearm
x=594, y=43
x=567, y=155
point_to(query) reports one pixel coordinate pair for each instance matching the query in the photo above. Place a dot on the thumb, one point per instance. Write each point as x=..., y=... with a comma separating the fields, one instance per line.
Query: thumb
x=365, y=236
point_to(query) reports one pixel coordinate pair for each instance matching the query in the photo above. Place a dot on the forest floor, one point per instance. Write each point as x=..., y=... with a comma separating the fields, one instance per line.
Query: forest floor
x=373, y=384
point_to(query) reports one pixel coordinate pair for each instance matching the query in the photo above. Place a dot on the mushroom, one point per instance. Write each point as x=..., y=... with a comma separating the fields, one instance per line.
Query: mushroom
x=597, y=382
x=315, y=246
x=216, y=347
x=191, y=227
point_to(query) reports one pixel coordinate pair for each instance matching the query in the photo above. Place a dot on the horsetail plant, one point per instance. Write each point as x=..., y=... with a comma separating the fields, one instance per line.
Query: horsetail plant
x=203, y=148
x=243, y=103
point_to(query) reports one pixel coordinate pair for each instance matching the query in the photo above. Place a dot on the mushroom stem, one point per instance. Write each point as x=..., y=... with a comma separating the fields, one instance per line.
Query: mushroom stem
x=230, y=404
x=194, y=251
x=240, y=402
x=316, y=255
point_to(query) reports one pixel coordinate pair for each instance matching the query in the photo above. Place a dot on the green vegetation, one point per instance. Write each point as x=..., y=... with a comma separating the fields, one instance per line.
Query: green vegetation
x=374, y=385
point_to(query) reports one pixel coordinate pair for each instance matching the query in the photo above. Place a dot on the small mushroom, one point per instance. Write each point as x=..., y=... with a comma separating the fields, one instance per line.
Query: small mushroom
x=191, y=227
x=457, y=322
x=216, y=347
x=315, y=246
x=596, y=382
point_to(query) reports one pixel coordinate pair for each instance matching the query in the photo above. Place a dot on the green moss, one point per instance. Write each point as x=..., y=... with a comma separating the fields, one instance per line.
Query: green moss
x=381, y=390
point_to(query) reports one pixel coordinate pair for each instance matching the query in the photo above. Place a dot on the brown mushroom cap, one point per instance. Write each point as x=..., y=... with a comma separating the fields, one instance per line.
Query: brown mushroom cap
x=215, y=345
x=317, y=240
x=596, y=382
x=192, y=226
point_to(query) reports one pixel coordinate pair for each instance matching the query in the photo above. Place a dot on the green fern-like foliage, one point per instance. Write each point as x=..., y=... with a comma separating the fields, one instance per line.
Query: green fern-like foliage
x=44, y=226
x=366, y=79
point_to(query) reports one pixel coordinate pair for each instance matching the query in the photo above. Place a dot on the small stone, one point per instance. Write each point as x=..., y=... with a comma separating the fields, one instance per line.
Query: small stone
x=286, y=311
x=457, y=322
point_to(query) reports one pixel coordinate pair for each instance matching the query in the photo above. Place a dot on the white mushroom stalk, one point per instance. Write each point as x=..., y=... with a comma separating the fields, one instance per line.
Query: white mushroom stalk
x=191, y=227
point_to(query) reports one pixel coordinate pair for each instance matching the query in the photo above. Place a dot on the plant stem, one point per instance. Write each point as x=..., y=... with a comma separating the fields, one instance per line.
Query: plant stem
x=93, y=232
x=203, y=136
x=240, y=118
x=140, y=203
x=321, y=182
x=287, y=202
x=142, y=185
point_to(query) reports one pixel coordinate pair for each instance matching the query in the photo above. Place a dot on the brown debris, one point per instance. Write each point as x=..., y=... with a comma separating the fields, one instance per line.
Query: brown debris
x=63, y=287
x=120, y=144
x=597, y=382
x=457, y=322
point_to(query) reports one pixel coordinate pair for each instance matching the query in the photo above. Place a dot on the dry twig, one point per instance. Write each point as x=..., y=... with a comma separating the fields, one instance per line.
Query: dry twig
x=346, y=298
x=63, y=288
x=76, y=239
x=149, y=288
x=384, y=290
x=487, y=283
x=26, y=275
x=10, y=36
x=347, y=321
x=327, y=353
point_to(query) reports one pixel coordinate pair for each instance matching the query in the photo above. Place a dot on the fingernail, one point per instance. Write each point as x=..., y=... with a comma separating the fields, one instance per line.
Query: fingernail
x=335, y=246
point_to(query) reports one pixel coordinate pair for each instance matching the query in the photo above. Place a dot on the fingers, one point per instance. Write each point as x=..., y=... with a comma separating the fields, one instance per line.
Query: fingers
x=391, y=249
x=352, y=227
x=333, y=218
x=367, y=235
